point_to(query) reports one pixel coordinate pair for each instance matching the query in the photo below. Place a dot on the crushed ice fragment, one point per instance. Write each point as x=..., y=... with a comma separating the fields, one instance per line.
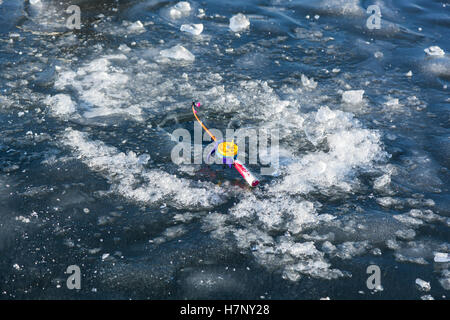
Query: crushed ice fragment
x=392, y=103
x=194, y=29
x=441, y=257
x=239, y=22
x=105, y=256
x=181, y=9
x=378, y=55
x=353, y=96
x=434, y=51
x=178, y=52
x=35, y=2
x=423, y=285
x=61, y=104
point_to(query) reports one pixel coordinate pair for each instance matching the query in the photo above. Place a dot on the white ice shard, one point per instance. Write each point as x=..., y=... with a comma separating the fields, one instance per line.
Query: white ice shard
x=353, y=96
x=181, y=9
x=239, y=22
x=434, y=51
x=178, y=52
x=194, y=29
x=423, y=285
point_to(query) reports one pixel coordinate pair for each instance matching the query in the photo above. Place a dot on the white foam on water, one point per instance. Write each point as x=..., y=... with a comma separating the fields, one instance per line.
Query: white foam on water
x=239, y=22
x=129, y=178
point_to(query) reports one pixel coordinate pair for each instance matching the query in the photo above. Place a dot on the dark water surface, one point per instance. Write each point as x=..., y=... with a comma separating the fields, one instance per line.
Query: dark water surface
x=86, y=176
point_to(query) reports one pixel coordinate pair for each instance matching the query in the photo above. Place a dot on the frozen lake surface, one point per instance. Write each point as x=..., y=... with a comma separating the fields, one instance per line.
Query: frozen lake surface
x=86, y=176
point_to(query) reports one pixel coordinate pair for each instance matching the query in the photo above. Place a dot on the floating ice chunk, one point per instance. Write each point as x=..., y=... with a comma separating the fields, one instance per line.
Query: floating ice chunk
x=409, y=73
x=353, y=96
x=181, y=9
x=136, y=27
x=308, y=83
x=100, y=87
x=439, y=66
x=61, y=104
x=239, y=22
x=441, y=257
x=423, y=285
x=194, y=29
x=434, y=51
x=178, y=52
x=427, y=297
